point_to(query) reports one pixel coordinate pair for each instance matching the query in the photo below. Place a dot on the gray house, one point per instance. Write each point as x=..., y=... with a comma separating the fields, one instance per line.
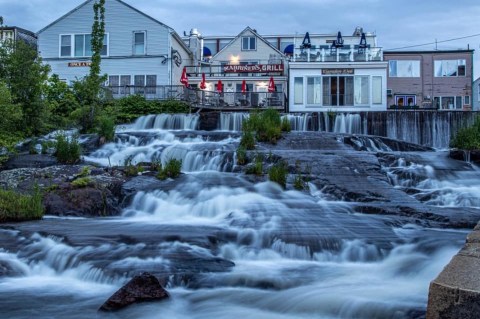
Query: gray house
x=16, y=34
x=139, y=55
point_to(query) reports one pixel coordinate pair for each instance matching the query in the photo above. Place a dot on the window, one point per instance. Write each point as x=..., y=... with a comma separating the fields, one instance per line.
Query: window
x=338, y=90
x=466, y=100
x=83, y=45
x=458, y=102
x=151, y=84
x=65, y=45
x=139, y=83
x=361, y=90
x=79, y=45
x=298, y=90
x=249, y=43
x=114, y=83
x=139, y=47
x=404, y=68
x=449, y=68
x=405, y=100
x=314, y=90
x=376, y=89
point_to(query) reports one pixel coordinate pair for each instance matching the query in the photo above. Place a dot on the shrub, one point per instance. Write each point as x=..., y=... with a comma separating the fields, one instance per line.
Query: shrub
x=16, y=207
x=278, y=174
x=67, y=151
x=467, y=138
x=84, y=172
x=266, y=125
x=106, y=127
x=248, y=140
x=131, y=169
x=172, y=169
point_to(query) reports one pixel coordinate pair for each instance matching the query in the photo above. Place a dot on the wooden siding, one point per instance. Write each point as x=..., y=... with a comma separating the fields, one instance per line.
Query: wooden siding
x=120, y=23
x=262, y=53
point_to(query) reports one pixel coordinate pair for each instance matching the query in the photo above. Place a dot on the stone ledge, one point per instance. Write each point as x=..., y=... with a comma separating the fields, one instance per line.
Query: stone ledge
x=455, y=293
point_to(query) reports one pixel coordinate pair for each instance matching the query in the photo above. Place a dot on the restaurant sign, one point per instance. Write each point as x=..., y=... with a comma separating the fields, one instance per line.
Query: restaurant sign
x=79, y=64
x=253, y=68
x=337, y=71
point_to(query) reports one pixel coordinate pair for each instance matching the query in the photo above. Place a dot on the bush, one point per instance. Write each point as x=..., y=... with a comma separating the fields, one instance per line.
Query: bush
x=248, y=140
x=15, y=207
x=131, y=169
x=278, y=174
x=67, y=151
x=266, y=125
x=106, y=128
x=467, y=138
x=172, y=169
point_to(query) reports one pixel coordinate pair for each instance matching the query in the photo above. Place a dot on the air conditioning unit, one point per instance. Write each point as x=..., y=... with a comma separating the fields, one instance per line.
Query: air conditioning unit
x=389, y=92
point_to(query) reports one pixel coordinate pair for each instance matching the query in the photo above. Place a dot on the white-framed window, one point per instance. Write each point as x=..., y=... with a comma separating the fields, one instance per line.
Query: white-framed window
x=449, y=67
x=119, y=84
x=249, y=43
x=79, y=45
x=466, y=100
x=65, y=45
x=139, y=42
x=361, y=90
x=314, y=90
x=298, y=90
x=404, y=68
x=405, y=100
x=377, y=90
x=83, y=45
x=448, y=102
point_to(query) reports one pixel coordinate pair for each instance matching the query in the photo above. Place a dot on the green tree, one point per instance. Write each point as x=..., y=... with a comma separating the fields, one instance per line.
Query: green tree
x=88, y=90
x=21, y=69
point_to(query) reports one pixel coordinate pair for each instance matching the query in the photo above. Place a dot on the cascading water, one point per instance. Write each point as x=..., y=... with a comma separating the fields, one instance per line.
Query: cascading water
x=229, y=245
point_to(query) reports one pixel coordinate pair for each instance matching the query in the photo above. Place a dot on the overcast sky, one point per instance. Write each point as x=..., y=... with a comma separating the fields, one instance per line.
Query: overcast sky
x=396, y=23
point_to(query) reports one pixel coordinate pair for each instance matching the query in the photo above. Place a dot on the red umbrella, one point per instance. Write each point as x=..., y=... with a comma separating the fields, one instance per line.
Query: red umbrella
x=271, y=85
x=219, y=86
x=184, y=78
x=203, y=84
x=244, y=87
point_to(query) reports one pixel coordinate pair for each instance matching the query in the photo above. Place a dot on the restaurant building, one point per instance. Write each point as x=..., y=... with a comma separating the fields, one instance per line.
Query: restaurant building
x=247, y=72
x=440, y=79
x=337, y=73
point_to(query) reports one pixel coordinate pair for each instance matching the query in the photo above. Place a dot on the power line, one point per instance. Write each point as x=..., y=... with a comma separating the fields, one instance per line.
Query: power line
x=421, y=45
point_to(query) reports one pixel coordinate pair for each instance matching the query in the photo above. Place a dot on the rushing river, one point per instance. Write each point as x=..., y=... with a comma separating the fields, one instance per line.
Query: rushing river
x=230, y=246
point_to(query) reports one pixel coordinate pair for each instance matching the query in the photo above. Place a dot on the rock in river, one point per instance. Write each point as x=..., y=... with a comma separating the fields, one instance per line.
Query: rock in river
x=144, y=287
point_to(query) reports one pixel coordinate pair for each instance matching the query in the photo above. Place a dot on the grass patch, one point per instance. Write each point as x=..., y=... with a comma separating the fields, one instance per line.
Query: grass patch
x=257, y=167
x=82, y=182
x=172, y=169
x=241, y=155
x=15, y=207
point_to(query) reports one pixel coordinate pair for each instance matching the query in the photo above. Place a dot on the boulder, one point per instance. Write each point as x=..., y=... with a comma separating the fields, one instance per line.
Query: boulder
x=144, y=287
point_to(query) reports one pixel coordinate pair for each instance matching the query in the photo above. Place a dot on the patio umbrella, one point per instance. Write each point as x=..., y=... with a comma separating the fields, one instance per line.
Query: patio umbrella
x=271, y=85
x=339, y=39
x=244, y=87
x=219, y=86
x=203, y=84
x=184, y=78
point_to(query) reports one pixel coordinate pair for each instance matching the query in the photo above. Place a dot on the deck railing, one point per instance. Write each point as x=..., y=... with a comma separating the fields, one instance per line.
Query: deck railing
x=202, y=98
x=343, y=54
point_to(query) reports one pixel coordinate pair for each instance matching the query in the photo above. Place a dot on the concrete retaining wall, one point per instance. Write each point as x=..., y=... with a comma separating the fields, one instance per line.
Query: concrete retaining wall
x=455, y=293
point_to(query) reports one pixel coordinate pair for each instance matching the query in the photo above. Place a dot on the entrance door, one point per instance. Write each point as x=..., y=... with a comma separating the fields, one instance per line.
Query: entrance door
x=338, y=90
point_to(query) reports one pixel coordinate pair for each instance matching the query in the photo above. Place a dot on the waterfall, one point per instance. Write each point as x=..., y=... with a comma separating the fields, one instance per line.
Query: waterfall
x=167, y=122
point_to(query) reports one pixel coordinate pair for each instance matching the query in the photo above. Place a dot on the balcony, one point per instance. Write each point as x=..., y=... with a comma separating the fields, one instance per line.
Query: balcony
x=325, y=53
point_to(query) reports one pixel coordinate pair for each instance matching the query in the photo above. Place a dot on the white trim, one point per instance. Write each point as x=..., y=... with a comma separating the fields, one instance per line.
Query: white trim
x=72, y=45
x=144, y=42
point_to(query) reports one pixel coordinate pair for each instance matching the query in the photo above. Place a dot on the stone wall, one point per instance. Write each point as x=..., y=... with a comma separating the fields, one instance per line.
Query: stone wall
x=455, y=293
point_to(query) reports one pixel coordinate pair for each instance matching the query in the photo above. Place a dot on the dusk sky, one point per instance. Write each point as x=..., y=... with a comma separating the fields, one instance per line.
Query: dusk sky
x=397, y=23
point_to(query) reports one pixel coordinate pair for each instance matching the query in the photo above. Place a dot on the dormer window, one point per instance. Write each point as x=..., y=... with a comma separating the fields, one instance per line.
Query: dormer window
x=249, y=43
